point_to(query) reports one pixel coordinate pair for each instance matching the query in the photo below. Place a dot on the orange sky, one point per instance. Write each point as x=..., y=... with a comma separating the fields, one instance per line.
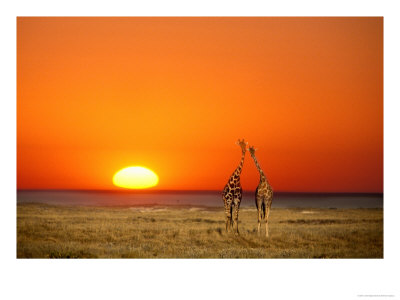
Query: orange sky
x=174, y=94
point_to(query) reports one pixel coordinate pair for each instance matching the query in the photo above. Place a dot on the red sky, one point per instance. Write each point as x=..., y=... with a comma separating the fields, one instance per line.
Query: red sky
x=174, y=94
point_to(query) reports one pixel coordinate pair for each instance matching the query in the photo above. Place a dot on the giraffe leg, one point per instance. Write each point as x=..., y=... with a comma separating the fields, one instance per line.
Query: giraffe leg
x=228, y=221
x=266, y=220
x=228, y=215
x=260, y=207
x=231, y=220
x=236, y=219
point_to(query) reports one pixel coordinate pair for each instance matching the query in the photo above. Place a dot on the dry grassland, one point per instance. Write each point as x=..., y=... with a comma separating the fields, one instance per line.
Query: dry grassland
x=45, y=231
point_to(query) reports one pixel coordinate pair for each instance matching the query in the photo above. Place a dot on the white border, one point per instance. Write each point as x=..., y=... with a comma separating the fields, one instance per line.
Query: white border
x=198, y=279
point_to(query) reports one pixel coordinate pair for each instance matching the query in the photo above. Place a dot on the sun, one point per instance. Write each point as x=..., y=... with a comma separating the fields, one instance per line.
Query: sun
x=135, y=177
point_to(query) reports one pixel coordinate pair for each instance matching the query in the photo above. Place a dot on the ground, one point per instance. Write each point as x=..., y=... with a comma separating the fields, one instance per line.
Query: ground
x=45, y=231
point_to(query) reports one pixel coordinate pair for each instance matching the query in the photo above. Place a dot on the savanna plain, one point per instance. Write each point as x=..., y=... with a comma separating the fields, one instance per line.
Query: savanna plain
x=46, y=231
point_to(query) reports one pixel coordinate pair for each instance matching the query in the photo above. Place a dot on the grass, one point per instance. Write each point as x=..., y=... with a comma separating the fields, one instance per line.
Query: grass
x=45, y=231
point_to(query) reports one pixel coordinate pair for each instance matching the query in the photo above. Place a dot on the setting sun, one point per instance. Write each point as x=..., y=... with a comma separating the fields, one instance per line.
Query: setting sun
x=135, y=178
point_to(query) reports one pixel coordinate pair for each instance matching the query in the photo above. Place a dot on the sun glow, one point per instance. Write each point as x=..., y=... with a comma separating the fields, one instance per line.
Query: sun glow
x=135, y=178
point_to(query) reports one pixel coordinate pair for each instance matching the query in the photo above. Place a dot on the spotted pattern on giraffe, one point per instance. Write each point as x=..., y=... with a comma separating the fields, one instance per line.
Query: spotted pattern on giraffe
x=263, y=195
x=232, y=194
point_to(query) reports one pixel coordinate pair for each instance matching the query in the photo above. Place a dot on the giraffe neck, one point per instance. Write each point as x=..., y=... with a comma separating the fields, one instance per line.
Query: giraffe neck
x=239, y=168
x=258, y=166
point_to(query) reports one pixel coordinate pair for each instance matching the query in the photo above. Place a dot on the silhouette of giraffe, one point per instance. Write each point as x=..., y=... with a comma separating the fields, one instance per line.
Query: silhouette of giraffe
x=232, y=194
x=264, y=195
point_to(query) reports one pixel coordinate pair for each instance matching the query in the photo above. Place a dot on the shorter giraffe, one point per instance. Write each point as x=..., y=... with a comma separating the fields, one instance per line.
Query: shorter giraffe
x=232, y=194
x=263, y=195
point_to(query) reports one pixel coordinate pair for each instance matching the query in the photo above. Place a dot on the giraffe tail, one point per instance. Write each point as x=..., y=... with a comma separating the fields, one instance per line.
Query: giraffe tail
x=263, y=210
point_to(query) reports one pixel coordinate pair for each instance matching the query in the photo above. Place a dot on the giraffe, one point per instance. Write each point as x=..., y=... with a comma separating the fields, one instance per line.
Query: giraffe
x=263, y=195
x=232, y=194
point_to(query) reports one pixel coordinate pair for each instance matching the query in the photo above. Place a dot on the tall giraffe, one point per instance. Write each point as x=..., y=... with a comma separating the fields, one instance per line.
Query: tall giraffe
x=232, y=194
x=264, y=195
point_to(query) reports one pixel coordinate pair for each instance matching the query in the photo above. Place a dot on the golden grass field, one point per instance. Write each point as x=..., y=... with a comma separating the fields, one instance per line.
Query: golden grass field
x=45, y=231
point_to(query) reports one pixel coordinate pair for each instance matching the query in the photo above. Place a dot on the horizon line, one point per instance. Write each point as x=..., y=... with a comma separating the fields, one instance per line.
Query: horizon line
x=186, y=191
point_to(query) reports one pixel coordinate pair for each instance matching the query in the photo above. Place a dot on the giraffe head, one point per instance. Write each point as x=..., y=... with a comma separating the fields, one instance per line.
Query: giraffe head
x=252, y=150
x=242, y=145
